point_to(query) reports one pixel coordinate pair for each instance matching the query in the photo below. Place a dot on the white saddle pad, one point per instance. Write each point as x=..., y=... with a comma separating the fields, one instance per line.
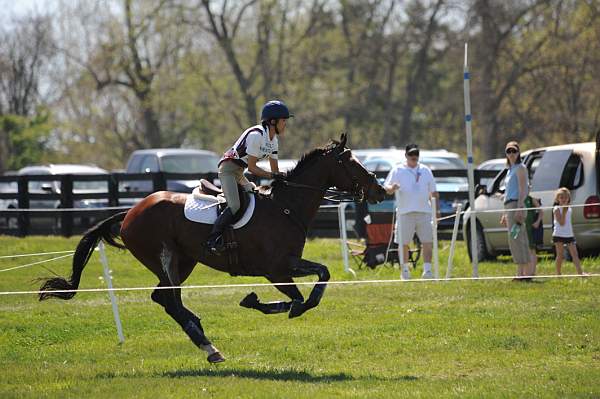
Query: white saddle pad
x=202, y=208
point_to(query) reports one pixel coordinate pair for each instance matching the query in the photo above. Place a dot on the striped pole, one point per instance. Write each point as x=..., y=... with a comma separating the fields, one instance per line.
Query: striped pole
x=471, y=175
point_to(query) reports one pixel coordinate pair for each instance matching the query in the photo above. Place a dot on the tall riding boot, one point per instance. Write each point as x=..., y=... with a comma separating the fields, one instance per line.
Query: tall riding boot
x=215, y=242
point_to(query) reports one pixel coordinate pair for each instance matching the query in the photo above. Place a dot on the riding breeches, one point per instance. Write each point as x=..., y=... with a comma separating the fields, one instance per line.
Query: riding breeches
x=230, y=175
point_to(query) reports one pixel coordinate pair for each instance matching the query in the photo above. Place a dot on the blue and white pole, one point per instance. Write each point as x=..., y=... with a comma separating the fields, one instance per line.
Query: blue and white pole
x=470, y=171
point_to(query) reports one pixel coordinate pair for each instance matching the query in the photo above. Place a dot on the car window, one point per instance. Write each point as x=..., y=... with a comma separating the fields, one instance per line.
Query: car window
x=457, y=163
x=149, y=164
x=189, y=163
x=545, y=176
x=98, y=186
x=134, y=164
x=383, y=167
x=572, y=176
x=370, y=165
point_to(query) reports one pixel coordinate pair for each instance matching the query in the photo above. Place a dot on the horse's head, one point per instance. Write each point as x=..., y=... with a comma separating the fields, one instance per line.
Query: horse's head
x=350, y=175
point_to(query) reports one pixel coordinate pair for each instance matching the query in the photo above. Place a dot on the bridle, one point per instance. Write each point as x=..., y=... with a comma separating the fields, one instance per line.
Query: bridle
x=356, y=194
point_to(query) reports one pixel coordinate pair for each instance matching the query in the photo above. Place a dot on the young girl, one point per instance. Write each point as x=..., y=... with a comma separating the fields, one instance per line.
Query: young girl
x=562, y=233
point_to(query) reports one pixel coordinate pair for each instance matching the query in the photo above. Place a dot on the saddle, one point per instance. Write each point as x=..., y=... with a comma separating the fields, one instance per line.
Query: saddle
x=207, y=188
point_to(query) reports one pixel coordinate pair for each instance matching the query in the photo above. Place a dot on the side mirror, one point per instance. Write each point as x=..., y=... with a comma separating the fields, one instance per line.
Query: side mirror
x=47, y=187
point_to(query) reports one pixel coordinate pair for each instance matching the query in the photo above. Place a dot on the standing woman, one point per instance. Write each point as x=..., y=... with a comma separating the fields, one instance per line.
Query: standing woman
x=517, y=189
x=256, y=143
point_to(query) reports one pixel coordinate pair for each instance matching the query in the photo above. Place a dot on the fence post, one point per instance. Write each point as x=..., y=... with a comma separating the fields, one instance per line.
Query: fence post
x=113, y=190
x=66, y=202
x=23, y=203
x=159, y=183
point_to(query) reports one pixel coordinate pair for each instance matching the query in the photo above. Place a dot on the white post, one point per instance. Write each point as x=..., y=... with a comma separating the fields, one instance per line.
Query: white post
x=436, y=263
x=398, y=230
x=344, y=237
x=470, y=172
x=111, y=294
x=453, y=242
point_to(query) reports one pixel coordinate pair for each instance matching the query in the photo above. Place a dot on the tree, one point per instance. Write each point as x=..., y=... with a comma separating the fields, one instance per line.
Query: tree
x=23, y=56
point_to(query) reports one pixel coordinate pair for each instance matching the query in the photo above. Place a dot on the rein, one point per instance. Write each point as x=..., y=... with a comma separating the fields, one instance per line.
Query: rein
x=328, y=194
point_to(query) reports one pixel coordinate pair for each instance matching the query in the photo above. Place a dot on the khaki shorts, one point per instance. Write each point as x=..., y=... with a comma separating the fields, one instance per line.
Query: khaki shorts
x=519, y=247
x=414, y=222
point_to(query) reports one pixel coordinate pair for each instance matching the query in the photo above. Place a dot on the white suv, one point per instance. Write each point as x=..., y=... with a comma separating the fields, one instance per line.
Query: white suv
x=575, y=166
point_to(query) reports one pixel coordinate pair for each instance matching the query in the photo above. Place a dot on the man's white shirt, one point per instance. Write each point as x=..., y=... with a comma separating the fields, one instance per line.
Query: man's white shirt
x=415, y=187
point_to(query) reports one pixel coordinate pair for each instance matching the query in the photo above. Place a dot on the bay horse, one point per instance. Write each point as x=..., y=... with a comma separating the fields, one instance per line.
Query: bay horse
x=157, y=233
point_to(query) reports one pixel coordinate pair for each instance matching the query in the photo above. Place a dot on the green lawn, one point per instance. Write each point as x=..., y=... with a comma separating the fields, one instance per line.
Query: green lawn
x=436, y=339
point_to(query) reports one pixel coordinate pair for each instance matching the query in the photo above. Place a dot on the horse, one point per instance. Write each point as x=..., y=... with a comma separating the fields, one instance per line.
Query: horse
x=271, y=244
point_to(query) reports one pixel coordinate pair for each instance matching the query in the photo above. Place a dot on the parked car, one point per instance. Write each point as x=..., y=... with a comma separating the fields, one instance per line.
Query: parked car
x=446, y=186
x=574, y=166
x=285, y=165
x=53, y=187
x=497, y=164
x=364, y=155
x=170, y=160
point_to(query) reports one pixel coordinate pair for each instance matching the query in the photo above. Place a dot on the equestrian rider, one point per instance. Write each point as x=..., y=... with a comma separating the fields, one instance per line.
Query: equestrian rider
x=256, y=143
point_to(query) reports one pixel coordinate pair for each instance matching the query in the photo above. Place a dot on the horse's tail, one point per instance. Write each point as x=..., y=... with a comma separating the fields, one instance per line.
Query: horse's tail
x=103, y=230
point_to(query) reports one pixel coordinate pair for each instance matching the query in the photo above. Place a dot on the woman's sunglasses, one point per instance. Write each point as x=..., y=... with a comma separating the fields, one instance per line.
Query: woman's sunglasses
x=511, y=151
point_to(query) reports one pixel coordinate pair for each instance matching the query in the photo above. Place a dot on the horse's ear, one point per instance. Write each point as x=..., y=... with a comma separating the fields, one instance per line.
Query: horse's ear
x=343, y=140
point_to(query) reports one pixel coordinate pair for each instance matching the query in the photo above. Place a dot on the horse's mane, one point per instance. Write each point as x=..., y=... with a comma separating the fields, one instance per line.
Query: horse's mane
x=308, y=158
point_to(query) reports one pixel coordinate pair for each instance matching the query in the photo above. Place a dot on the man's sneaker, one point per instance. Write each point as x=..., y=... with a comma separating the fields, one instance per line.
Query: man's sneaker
x=405, y=275
x=427, y=274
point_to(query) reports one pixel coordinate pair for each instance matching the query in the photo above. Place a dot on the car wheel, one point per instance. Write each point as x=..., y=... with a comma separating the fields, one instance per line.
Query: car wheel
x=482, y=252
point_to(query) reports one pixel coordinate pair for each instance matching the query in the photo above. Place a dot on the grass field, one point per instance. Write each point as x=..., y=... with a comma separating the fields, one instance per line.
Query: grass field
x=496, y=339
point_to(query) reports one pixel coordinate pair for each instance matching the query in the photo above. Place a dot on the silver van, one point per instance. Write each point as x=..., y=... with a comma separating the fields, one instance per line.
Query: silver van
x=574, y=166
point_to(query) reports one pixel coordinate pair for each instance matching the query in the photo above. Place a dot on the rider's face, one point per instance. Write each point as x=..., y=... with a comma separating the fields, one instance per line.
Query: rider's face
x=281, y=123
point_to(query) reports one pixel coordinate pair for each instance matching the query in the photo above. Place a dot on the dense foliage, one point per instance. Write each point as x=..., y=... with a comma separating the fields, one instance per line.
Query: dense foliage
x=122, y=75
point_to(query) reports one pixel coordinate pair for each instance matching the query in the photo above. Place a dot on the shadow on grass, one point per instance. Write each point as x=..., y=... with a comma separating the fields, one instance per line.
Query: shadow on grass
x=276, y=375
x=272, y=375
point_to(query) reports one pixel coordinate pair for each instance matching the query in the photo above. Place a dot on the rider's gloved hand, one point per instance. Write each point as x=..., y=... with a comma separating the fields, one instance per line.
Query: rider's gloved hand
x=278, y=176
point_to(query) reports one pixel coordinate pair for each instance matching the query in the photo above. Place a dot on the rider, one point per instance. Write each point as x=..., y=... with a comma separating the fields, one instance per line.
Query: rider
x=256, y=143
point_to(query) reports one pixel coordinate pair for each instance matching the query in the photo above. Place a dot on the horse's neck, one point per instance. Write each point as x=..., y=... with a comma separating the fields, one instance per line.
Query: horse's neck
x=305, y=201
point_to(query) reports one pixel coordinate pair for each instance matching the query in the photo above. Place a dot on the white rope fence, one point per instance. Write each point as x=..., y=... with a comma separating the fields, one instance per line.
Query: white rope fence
x=35, y=263
x=515, y=210
x=341, y=282
x=36, y=254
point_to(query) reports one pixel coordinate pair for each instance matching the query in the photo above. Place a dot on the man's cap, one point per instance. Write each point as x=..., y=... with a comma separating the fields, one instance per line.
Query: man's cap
x=411, y=149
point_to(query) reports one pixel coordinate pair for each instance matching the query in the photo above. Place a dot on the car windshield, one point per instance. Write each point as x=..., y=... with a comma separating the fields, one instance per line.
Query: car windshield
x=98, y=186
x=189, y=163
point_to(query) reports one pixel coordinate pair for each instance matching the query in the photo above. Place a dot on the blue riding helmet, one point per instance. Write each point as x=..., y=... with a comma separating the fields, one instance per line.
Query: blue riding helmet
x=275, y=109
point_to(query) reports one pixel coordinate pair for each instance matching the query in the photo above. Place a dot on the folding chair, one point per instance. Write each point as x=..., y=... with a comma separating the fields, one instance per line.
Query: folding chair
x=378, y=247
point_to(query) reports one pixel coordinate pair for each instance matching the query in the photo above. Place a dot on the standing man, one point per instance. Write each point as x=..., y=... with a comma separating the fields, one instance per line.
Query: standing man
x=416, y=186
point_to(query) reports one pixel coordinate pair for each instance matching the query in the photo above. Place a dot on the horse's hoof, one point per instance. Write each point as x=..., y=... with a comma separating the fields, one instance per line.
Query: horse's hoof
x=297, y=309
x=215, y=358
x=250, y=301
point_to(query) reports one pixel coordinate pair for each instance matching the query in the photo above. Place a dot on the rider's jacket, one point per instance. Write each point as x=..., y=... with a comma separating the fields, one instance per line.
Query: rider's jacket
x=254, y=141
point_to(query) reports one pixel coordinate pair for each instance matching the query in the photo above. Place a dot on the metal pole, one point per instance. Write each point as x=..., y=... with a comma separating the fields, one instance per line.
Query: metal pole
x=399, y=230
x=436, y=263
x=453, y=242
x=113, y=299
x=470, y=167
x=344, y=237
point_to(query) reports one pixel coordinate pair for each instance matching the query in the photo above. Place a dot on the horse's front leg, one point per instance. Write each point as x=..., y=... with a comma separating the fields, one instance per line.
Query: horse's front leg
x=301, y=268
x=251, y=300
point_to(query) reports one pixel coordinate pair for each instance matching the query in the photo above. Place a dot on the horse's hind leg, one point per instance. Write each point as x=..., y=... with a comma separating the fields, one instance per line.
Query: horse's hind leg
x=251, y=300
x=170, y=300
